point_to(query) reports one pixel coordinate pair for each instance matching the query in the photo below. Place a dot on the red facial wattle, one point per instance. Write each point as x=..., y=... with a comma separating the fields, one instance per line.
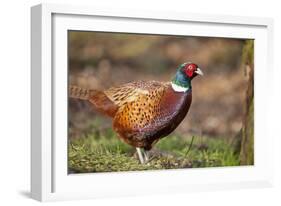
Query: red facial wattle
x=190, y=69
x=189, y=72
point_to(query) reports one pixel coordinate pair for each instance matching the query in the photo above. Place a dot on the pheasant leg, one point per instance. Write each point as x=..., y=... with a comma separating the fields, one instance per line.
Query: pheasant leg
x=140, y=155
x=146, y=156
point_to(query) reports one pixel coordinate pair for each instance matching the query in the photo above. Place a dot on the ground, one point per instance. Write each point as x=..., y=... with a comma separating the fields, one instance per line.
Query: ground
x=106, y=153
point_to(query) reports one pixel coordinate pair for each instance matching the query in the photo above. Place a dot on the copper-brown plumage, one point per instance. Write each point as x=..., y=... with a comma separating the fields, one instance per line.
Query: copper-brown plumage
x=143, y=112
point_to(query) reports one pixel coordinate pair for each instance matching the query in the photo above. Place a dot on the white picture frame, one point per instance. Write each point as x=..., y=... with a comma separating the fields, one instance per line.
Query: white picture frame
x=49, y=178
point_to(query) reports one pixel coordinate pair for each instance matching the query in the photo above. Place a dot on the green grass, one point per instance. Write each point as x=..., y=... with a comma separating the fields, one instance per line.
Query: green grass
x=104, y=152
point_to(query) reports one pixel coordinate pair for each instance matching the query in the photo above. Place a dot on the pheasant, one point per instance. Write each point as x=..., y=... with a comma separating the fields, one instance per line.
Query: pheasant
x=143, y=112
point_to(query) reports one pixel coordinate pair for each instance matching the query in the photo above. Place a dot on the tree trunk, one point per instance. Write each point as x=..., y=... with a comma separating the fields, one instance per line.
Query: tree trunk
x=247, y=141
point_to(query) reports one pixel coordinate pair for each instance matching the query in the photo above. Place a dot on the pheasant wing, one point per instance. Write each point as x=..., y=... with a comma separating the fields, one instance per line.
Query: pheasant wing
x=130, y=92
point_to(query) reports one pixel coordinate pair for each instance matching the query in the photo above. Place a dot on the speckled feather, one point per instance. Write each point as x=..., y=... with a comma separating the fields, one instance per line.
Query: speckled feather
x=140, y=106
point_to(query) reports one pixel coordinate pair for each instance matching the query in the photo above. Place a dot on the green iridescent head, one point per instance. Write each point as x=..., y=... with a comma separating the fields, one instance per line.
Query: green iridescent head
x=185, y=73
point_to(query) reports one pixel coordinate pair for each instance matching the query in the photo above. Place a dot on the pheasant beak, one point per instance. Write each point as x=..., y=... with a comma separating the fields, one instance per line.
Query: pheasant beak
x=199, y=71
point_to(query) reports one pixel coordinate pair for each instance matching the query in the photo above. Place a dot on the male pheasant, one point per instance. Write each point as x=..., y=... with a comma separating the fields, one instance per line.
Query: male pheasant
x=144, y=111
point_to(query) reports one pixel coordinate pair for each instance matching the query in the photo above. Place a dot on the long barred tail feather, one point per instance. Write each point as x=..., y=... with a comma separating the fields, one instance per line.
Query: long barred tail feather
x=98, y=99
x=79, y=93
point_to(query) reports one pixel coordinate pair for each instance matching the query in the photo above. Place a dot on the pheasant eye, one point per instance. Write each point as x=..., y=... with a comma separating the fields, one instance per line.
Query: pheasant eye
x=191, y=67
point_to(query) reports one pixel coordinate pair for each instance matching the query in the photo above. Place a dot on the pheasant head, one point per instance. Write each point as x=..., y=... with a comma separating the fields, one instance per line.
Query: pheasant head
x=185, y=73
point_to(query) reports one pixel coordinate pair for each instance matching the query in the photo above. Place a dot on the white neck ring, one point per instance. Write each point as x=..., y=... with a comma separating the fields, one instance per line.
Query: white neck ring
x=178, y=88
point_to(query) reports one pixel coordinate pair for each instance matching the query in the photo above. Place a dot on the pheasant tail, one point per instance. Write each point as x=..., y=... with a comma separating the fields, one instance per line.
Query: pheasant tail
x=79, y=93
x=99, y=99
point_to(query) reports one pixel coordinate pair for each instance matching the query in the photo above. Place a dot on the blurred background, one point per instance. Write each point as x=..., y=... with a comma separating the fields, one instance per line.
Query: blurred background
x=100, y=60
x=219, y=128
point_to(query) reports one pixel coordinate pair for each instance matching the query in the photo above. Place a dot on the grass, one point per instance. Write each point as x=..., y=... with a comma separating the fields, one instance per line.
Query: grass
x=104, y=152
